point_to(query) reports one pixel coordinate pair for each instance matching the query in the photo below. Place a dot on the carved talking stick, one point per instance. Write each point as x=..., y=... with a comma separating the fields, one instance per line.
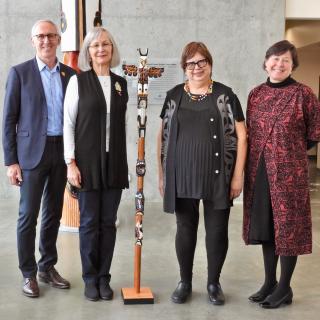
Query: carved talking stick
x=138, y=295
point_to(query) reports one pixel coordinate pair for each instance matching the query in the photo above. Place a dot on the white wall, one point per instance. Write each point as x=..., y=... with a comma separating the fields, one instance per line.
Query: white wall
x=302, y=9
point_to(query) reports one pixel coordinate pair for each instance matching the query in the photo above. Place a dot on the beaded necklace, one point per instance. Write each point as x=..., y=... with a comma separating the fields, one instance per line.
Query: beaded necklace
x=197, y=97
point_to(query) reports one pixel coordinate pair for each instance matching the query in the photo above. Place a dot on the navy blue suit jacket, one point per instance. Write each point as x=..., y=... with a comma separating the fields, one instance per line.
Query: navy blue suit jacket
x=25, y=114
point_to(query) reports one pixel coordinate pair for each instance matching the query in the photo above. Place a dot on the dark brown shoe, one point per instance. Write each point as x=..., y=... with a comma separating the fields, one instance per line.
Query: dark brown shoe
x=30, y=287
x=54, y=279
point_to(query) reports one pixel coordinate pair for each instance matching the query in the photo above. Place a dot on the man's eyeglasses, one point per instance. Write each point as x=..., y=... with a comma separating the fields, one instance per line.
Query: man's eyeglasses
x=96, y=46
x=192, y=64
x=49, y=36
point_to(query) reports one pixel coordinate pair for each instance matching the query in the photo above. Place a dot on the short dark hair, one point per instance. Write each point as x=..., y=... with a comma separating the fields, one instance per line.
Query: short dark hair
x=191, y=49
x=280, y=48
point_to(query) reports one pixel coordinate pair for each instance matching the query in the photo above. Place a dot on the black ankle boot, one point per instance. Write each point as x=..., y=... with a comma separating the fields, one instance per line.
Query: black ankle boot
x=182, y=292
x=106, y=293
x=91, y=291
x=215, y=293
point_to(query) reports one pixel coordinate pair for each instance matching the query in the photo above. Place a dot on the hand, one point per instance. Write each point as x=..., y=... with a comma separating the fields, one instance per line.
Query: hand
x=160, y=185
x=14, y=174
x=236, y=187
x=74, y=175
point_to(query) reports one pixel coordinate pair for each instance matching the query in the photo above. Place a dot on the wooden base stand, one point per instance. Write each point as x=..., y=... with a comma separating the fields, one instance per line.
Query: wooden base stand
x=130, y=296
x=70, y=219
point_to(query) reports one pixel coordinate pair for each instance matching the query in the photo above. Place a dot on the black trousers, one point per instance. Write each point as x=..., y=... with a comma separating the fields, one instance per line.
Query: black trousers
x=97, y=232
x=216, y=226
x=46, y=181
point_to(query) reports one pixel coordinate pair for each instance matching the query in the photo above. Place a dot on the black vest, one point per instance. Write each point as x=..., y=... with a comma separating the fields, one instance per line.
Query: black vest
x=224, y=100
x=97, y=170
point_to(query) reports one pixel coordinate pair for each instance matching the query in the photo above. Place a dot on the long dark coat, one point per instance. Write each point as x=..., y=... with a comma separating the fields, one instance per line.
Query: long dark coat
x=280, y=121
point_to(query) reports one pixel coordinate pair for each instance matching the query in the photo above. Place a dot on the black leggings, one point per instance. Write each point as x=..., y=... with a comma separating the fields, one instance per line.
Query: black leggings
x=216, y=226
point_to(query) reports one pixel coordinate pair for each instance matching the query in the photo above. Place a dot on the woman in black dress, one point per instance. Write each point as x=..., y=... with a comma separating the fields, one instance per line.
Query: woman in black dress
x=201, y=151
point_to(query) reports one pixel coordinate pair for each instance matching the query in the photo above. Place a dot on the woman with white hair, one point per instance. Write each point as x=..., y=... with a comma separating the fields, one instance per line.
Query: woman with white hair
x=95, y=152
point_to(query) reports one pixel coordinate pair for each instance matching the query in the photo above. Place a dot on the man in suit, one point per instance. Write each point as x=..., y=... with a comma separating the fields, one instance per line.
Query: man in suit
x=33, y=153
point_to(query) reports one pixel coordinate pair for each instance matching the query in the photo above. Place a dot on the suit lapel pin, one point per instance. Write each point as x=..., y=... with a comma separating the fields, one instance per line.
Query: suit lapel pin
x=63, y=73
x=118, y=88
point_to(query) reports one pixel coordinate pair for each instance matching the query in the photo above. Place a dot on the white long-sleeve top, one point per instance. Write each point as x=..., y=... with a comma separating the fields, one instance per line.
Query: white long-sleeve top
x=71, y=111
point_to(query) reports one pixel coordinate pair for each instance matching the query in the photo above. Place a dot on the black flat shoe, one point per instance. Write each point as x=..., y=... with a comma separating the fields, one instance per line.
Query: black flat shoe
x=182, y=292
x=106, y=293
x=260, y=295
x=286, y=299
x=216, y=295
x=91, y=292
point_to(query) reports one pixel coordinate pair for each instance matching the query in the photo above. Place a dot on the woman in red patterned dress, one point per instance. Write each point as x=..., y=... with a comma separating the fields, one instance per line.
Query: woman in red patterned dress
x=283, y=120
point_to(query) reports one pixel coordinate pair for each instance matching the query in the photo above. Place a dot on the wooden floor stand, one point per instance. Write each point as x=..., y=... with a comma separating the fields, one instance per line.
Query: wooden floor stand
x=130, y=296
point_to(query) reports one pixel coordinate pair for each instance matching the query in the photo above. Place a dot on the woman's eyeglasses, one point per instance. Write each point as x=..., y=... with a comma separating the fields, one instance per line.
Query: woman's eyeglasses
x=96, y=46
x=192, y=64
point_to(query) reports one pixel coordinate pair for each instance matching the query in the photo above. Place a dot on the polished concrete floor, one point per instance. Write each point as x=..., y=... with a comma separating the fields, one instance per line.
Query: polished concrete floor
x=241, y=276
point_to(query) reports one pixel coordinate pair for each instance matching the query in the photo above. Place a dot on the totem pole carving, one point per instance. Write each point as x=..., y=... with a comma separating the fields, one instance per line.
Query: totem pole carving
x=137, y=294
x=77, y=17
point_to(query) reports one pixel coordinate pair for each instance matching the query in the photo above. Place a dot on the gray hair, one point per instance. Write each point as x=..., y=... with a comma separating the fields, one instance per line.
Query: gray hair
x=34, y=27
x=84, y=62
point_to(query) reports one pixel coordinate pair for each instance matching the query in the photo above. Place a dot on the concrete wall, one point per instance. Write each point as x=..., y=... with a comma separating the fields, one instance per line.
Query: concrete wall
x=236, y=32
